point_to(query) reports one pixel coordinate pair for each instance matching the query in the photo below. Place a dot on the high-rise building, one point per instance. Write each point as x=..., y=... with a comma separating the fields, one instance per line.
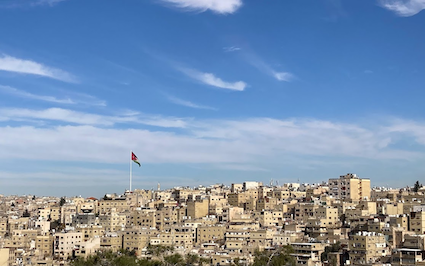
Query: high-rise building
x=350, y=186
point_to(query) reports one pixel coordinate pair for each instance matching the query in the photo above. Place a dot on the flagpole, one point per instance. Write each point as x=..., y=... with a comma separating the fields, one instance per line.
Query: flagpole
x=131, y=167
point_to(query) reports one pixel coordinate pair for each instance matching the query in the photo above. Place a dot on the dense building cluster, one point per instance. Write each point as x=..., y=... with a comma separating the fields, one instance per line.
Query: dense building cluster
x=339, y=222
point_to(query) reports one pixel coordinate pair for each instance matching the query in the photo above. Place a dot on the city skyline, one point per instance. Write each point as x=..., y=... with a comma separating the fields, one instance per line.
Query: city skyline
x=213, y=90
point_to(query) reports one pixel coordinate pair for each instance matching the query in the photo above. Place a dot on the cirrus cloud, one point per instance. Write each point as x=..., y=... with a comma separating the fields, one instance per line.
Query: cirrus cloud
x=216, y=6
x=23, y=66
x=404, y=8
x=212, y=80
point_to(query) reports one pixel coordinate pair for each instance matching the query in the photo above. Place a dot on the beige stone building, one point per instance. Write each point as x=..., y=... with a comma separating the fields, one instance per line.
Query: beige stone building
x=304, y=211
x=246, y=199
x=65, y=243
x=68, y=212
x=21, y=239
x=282, y=238
x=324, y=218
x=88, y=206
x=280, y=194
x=212, y=233
x=3, y=226
x=216, y=204
x=87, y=248
x=44, y=213
x=389, y=208
x=55, y=213
x=308, y=253
x=410, y=252
x=266, y=203
x=168, y=216
x=120, y=205
x=15, y=223
x=44, y=245
x=417, y=222
x=90, y=231
x=113, y=221
x=236, y=241
x=179, y=237
x=112, y=241
x=350, y=186
x=4, y=257
x=367, y=247
x=197, y=208
x=142, y=218
x=136, y=239
x=269, y=218
x=260, y=239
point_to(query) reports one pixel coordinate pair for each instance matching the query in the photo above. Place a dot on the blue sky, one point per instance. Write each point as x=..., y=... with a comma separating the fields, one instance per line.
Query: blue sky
x=209, y=91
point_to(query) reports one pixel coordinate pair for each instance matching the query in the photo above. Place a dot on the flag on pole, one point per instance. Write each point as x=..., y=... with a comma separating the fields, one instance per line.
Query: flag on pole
x=134, y=158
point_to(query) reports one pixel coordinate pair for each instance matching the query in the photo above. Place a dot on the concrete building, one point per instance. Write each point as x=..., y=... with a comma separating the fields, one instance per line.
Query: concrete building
x=4, y=257
x=417, y=222
x=113, y=221
x=197, y=208
x=44, y=245
x=308, y=254
x=111, y=241
x=367, y=247
x=208, y=233
x=65, y=243
x=349, y=186
x=87, y=248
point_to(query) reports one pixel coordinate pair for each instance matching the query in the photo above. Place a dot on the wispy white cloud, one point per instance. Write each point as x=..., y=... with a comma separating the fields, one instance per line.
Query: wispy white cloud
x=283, y=76
x=409, y=127
x=46, y=2
x=82, y=118
x=237, y=143
x=212, y=80
x=231, y=49
x=259, y=63
x=28, y=3
x=216, y=6
x=404, y=8
x=78, y=99
x=24, y=94
x=186, y=103
x=13, y=64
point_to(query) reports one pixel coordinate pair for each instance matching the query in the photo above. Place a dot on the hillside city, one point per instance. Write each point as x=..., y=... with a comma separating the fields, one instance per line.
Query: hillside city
x=342, y=221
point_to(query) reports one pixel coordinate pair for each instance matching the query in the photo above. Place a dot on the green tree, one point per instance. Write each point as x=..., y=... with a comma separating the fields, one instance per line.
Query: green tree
x=278, y=257
x=125, y=260
x=26, y=213
x=159, y=251
x=192, y=259
x=62, y=201
x=174, y=260
x=333, y=261
x=417, y=186
x=109, y=258
x=204, y=261
x=330, y=249
x=237, y=262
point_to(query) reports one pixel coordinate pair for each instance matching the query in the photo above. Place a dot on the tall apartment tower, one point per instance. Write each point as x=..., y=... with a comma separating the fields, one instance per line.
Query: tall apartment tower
x=350, y=186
